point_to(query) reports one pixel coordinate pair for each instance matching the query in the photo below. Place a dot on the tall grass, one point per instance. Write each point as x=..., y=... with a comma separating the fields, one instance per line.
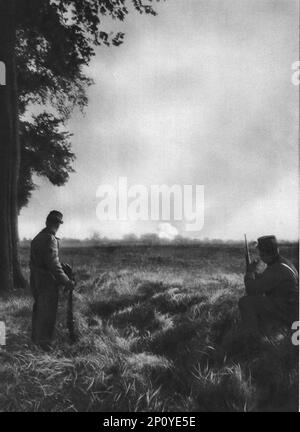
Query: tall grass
x=154, y=336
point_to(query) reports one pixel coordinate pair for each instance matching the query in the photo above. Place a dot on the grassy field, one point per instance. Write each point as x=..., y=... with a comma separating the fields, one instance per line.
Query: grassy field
x=159, y=331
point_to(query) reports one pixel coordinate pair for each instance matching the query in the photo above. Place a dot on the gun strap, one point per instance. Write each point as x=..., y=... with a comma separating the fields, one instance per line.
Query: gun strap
x=290, y=268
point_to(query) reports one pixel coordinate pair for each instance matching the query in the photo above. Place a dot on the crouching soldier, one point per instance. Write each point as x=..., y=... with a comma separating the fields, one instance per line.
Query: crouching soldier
x=46, y=275
x=272, y=296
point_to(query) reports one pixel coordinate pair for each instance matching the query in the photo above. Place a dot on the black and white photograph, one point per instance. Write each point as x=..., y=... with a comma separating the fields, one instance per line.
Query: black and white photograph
x=149, y=243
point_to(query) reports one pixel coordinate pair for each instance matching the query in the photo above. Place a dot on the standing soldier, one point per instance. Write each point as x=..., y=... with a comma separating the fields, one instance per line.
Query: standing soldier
x=46, y=275
x=272, y=295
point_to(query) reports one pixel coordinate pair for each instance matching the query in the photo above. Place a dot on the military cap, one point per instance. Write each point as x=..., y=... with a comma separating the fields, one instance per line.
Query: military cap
x=55, y=216
x=268, y=244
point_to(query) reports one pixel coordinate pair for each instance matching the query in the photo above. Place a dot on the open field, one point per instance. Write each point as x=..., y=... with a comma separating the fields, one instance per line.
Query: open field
x=159, y=331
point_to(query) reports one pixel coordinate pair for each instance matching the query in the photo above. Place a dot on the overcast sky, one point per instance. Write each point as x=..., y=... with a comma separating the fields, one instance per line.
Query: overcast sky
x=200, y=94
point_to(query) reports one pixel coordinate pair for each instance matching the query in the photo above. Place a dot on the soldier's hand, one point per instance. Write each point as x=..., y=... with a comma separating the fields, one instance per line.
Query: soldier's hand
x=70, y=285
x=253, y=267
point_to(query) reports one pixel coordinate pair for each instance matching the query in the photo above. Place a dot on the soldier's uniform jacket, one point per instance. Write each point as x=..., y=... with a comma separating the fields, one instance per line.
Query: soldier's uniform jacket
x=44, y=260
x=279, y=282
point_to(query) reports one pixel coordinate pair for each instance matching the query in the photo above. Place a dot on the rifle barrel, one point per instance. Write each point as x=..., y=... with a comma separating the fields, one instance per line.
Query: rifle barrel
x=247, y=253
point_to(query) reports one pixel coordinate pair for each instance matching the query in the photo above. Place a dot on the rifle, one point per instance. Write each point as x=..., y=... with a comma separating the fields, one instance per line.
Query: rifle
x=247, y=254
x=70, y=315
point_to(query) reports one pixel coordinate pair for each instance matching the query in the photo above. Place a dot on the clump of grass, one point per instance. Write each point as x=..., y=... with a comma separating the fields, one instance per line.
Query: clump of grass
x=142, y=317
x=224, y=390
x=176, y=302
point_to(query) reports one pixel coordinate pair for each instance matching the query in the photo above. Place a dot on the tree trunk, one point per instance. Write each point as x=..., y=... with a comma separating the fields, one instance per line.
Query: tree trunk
x=10, y=272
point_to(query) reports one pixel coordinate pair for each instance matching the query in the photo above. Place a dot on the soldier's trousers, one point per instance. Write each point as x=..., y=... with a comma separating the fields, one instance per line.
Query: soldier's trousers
x=44, y=313
x=257, y=311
